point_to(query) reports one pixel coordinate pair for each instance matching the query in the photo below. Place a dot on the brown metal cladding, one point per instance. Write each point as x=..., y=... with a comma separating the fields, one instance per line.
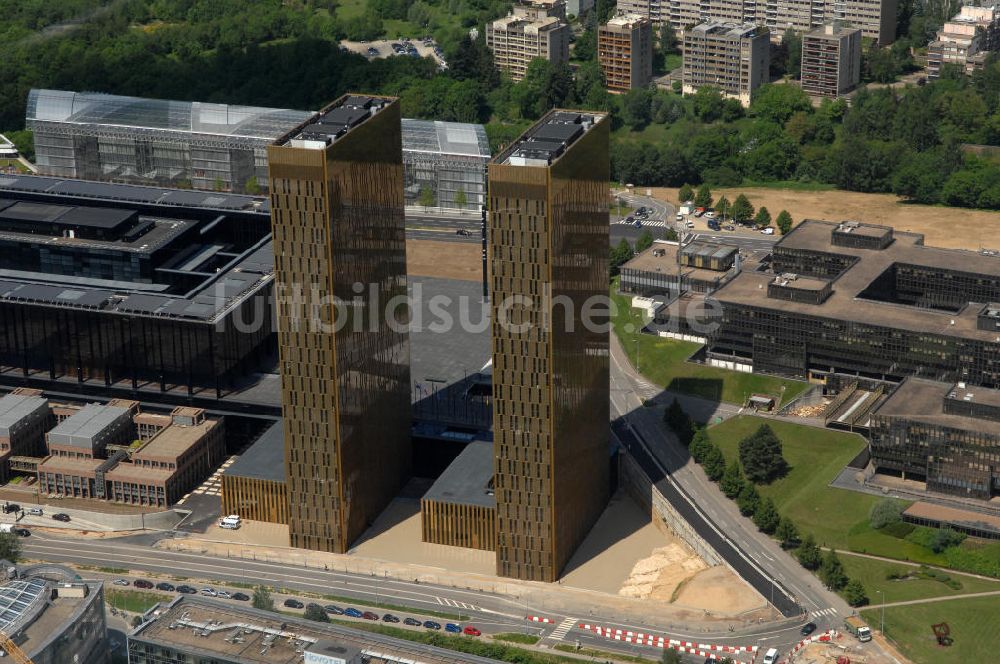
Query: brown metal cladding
x=255, y=499
x=453, y=524
x=337, y=216
x=549, y=242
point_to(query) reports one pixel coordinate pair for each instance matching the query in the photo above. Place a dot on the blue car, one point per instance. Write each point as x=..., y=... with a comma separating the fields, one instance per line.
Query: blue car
x=430, y=624
x=453, y=628
x=353, y=613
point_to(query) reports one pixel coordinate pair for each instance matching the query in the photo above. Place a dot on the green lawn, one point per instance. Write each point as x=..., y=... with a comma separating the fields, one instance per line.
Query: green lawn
x=18, y=166
x=134, y=601
x=972, y=623
x=347, y=9
x=663, y=362
x=792, y=185
x=872, y=574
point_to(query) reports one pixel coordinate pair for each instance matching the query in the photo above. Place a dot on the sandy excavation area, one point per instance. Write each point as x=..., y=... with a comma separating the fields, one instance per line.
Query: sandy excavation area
x=675, y=574
x=445, y=260
x=955, y=228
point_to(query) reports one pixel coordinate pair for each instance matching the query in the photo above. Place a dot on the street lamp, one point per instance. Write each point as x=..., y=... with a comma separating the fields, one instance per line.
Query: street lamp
x=881, y=622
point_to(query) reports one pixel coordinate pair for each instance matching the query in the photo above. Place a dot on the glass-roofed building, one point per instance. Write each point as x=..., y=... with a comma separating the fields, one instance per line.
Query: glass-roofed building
x=444, y=164
x=200, y=145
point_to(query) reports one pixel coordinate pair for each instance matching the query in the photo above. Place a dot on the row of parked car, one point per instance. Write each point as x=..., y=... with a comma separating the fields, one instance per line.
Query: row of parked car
x=143, y=584
x=351, y=612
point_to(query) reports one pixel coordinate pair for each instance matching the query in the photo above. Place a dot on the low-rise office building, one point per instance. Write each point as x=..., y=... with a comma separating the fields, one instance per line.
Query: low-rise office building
x=25, y=416
x=254, y=486
x=965, y=40
x=533, y=29
x=941, y=433
x=460, y=508
x=669, y=269
x=625, y=52
x=87, y=433
x=53, y=616
x=730, y=57
x=831, y=60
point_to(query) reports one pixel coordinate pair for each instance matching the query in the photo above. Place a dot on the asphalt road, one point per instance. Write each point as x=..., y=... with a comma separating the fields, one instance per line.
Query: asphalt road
x=419, y=227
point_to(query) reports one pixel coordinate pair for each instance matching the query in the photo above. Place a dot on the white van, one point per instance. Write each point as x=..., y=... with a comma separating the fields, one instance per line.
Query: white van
x=231, y=522
x=771, y=656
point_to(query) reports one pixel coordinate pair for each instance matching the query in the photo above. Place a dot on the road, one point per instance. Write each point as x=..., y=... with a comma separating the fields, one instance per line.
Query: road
x=489, y=612
x=443, y=228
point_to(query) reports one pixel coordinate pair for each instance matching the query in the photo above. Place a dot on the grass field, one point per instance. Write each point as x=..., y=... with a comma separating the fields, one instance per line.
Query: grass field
x=957, y=228
x=662, y=361
x=972, y=622
x=872, y=574
x=134, y=601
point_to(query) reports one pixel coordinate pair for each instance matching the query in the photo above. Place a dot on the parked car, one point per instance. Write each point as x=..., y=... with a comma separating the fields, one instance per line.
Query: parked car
x=730, y=227
x=352, y=613
x=209, y=592
x=333, y=609
x=10, y=508
x=767, y=231
x=452, y=628
x=689, y=224
x=368, y=615
x=630, y=219
x=224, y=594
x=143, y=583
x=313, y=606
x=241, y=597
x=471, y=631
x=771, y=656
x=22, y=532
x=679, y=217
x=412, y=622
x=166, y=587
x=35, y=511
x=808, y=629
x=293, y=603
x=389, y=618
x=463, y=231
x=121, y=582
x=59, y=516
x=430, y=624
x=186, y=590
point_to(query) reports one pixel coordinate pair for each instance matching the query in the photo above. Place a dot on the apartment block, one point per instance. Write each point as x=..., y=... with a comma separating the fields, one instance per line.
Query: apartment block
x=548, y=239
x=625, y=52
x=733, y=58
x=875, y=18
x=831, y=60
x=340, y=262
x=533, y=29
x=965, y=40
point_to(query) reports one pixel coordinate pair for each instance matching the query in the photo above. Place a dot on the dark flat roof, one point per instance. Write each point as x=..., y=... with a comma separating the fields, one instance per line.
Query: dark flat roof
x=548, y=138
x=749, y=288
x=922, y=400
x=265, y=459
x=465, y=481
x=337, y=119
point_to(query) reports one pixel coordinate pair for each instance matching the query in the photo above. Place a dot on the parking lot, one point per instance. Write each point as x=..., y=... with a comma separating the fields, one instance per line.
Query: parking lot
x=403, y=47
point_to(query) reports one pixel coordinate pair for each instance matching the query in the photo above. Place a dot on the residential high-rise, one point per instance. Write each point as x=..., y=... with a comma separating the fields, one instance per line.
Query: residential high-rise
x=548, y=247
x=965, y=40
x=340, y=258
x=625, y=51
x=831, y=60
x=876, y=18
x=730, y=57
x=533, y=29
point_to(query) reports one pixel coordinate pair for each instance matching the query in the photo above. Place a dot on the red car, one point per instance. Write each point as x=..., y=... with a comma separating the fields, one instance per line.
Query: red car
x=368, y=615
x=471, y=631
x=142, y=583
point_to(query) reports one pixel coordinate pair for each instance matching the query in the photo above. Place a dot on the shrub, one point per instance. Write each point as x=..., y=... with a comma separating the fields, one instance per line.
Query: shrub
x=855, y=593
x=936, y=539
x=899, y=530
x=885, y=512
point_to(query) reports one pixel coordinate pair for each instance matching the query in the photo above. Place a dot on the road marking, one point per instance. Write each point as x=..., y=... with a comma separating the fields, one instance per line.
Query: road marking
x=825, y=612
x=560, y=632
x=655, y=223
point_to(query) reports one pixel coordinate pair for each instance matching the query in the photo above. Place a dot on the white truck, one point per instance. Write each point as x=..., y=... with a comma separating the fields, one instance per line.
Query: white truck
x=858, y=628
x=6, y=528
x=685, y=209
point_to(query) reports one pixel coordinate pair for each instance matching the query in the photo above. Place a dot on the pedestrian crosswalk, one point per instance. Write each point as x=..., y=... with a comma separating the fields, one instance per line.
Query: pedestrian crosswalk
x=560, y=632
x=445, y=601
x=213, y=485
x=825, y=612
x=655, y=223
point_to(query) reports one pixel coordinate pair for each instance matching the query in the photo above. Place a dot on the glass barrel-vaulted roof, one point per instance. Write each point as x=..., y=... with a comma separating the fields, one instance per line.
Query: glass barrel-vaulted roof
x=453, y=138
x=20, y=603
x=184, y=116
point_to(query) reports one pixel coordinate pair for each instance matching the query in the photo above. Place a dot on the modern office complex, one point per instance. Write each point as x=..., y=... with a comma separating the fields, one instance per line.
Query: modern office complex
x=965, y=40
x=875, y=18
x=449, y=160
x=863, y=300
x=533, y=29
x=337, y=214
x=831, y=60
x=25, y=416
x=669, y=268
x=942, y=433
x=199, y=145
x=730, y=57
x=52, y=616
x=460, y=508
x=254, y=486
x=197, y=629
x=625, y=52
x=548, y=248
x=129, y=286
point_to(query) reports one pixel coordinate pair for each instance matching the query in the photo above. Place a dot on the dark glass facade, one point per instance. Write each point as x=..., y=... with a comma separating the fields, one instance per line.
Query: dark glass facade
x=337, y=215
x=548, y=249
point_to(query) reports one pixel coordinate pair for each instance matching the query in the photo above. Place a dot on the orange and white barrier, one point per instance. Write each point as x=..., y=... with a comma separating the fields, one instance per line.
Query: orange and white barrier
x=539, y=619
x=825, y=637
x=658, y=641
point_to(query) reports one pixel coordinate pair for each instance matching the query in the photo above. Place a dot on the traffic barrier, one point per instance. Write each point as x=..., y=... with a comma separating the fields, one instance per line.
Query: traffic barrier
x=658, y=641
x=826, y=636
x=539, y=619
